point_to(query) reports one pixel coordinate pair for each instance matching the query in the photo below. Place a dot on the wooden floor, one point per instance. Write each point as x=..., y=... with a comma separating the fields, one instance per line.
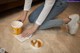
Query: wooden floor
x=55, y=40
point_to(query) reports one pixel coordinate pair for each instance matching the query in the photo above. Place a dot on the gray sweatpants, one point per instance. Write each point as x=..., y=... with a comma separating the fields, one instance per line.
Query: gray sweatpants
x=51, y=20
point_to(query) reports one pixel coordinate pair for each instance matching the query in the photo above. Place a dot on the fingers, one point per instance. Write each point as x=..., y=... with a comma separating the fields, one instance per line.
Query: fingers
x=26, y=34
x=23, y=35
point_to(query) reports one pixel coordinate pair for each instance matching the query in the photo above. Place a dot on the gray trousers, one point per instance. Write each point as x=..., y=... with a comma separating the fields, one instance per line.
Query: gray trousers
x=51, y=20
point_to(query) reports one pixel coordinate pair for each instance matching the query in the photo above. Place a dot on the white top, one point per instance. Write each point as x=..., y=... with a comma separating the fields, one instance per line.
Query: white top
x=47, y=7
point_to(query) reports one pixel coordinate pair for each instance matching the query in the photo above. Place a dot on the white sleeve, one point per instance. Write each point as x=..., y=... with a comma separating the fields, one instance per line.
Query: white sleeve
x=47, y=7
x=27, y=5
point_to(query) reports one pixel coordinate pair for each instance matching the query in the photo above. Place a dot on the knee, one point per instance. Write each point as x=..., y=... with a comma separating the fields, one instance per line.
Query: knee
x=31, y=20
x=61, y=3
x=64, y=2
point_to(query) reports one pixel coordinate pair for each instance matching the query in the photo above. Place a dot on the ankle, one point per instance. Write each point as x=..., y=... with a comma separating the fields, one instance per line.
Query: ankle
x=67, y=20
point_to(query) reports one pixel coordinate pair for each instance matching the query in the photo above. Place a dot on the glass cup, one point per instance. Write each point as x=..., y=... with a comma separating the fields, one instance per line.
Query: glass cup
x=17, y=27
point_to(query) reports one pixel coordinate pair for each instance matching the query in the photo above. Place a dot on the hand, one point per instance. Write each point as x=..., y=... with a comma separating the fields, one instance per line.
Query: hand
x=30, y=31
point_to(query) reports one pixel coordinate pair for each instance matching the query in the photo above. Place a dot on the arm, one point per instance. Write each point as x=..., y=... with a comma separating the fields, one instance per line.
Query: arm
x=23, y=16
x=27, y=7
x=47, y=7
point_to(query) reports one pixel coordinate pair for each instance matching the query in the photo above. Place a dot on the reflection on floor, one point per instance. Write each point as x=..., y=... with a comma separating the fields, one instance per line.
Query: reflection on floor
x=55, y=40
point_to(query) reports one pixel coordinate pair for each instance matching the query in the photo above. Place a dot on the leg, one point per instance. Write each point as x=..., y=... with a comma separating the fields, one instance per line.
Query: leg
x=52, y=23
x=57, y=9
x=59, y=6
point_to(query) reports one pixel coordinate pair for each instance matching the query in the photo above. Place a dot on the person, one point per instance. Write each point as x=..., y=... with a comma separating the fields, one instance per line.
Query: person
x=44, y=17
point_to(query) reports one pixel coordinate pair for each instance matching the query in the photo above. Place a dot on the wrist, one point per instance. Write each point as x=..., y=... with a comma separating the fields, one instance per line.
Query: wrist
x=20, y=20
x=36, y=26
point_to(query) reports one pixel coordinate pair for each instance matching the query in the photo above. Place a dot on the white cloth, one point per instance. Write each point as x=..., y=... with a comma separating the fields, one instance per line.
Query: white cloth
x=47, y=7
